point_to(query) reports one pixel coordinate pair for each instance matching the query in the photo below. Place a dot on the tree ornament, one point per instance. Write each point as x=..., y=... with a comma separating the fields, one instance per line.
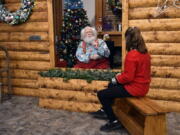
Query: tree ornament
x=18, y=17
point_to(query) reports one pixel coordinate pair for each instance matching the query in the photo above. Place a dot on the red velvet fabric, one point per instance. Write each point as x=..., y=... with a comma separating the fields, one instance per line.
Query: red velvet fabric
x=61, y=63
x=94, y=64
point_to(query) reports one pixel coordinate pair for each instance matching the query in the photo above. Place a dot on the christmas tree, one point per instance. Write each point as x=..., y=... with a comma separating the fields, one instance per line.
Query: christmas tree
x=75, y=18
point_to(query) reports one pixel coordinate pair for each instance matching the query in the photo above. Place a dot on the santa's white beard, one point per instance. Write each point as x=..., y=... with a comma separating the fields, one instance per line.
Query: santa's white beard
x=89, y=40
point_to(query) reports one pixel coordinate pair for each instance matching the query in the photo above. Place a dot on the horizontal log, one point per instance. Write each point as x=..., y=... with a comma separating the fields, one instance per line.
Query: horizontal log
x=142, y=3
x=161, y=36
x=17, y=1
x=23, y=91
x=82, y=85
x=39, y=56
x=4, y=36
x=31, y=65
x=151, y=12
x=165, y=83
x=165, y=72
x=164, y=94
x=170, y=106
x=72, y=84
x=68, y=95
x=39, y=6
x=165, y=60
x=164, y=48
x=23, y=74
x=26, y=46
x=156, y=24
x=25, y=83
x=68, y=105
x=25, y=36
x=38, y=17
x=25, y=27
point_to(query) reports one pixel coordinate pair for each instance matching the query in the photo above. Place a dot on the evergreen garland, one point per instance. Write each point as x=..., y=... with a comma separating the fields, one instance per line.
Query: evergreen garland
x=87, y=75
x=18, y=17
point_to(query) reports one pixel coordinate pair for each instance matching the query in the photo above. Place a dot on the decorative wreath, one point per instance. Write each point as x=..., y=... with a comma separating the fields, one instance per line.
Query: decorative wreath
x=18, y=17
x=116, y=7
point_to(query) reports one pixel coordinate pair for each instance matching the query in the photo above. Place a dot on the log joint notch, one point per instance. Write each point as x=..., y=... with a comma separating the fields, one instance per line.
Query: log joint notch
x=141, y=116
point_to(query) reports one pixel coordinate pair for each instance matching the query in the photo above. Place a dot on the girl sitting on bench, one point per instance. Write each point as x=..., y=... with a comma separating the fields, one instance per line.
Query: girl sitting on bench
x=134, y=81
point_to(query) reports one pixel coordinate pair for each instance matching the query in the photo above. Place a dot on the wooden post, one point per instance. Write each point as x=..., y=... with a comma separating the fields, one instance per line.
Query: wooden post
x=51, y=32
x=155, y=125
x=125, y=25
x=98, y=14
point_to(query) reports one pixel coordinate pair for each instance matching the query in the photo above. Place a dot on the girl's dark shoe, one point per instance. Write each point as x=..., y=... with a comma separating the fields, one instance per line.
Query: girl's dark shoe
x=100, y=114
x=111, y=126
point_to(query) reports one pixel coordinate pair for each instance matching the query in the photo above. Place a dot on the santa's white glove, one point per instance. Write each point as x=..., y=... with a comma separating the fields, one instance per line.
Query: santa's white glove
x=113, y=80
x=94, y=57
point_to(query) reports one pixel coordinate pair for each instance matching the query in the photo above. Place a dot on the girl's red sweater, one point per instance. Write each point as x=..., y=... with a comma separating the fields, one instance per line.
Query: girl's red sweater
x=136, y=76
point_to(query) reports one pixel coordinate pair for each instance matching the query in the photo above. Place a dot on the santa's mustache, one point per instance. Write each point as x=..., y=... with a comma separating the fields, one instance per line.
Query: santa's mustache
x=89, y=40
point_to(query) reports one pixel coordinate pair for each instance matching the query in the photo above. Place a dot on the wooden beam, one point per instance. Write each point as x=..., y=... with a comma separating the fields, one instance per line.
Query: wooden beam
x=26, y=83
x=4, y=36
x=25, y=27
x=51, y=33
x=68, y=95
x=156, y=24
x=83, y=85
x=165, y=83
x=26, y=46
x=17, y=1
x=150, y=12
x=125, y=25
x=165, y=71
x=39, y=6
x=30, y=65
x=15, y=55
x=164, y=94
x=161, y=36
x=38, y=17
x=155, y=125
x=165, y=60
x=142, y=3
x=25, y=36
x=68, y=105
x=22, y=74
x=163, y=48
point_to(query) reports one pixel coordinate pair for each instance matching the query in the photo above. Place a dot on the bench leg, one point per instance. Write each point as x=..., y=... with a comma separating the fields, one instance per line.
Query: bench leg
x=155, y=125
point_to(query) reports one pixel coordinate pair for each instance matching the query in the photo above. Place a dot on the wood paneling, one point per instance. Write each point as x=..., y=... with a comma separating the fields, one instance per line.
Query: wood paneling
x=34, y=56
x=151, y=12
x=68, y=105
x=25, y=27
x=164, y=48
x=39, y=6
x=156, y=24
x=161, y=36
x=26, y=46
x=30, y=65
x=25, y=36
x=142, y=3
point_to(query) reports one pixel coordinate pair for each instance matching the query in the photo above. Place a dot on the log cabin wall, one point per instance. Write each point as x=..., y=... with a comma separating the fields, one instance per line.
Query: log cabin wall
x=161, y=35
x=28, y=57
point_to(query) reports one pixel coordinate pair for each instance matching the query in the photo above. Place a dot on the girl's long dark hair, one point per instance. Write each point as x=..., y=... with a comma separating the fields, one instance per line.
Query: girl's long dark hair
x=134, y=40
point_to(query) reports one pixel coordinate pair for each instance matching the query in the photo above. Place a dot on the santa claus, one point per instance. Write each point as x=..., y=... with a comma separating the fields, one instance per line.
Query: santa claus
x=92, y=53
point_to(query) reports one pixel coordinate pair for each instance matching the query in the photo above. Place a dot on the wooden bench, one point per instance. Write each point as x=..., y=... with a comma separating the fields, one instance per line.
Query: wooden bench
x=141, y=116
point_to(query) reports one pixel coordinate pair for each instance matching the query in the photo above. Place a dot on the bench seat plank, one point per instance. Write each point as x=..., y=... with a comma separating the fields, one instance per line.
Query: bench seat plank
x=154, y=105
x=139, y=104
